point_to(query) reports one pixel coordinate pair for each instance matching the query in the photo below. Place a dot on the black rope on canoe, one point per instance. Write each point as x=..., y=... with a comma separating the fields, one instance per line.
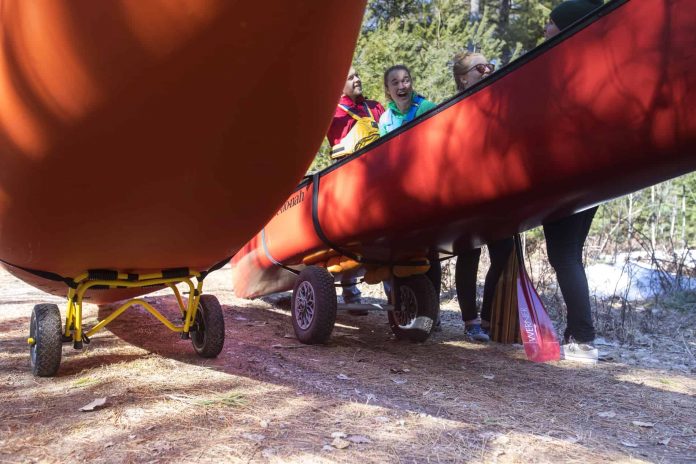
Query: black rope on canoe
x=322, y=236
x=317, y=226
x=44, y=274
x=271, y=258
x=107, y=274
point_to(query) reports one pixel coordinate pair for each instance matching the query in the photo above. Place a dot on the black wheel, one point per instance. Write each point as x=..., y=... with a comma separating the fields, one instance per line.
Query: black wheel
x=314, y=305
x=47, y=346
x=208, y=329
x=415, y=310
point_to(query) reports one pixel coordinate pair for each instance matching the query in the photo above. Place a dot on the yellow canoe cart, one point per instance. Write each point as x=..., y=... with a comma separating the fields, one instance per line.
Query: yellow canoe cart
x=203, y=321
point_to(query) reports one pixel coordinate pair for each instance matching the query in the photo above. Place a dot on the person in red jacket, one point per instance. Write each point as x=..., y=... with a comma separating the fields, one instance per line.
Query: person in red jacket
x=352, y=107
x=354, y=125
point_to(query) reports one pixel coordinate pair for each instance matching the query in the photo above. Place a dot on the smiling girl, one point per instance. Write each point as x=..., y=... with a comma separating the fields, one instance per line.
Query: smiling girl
x=404, y=104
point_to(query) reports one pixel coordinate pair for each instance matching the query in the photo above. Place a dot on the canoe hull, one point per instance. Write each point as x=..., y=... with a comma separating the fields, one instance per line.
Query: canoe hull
x=122, y=123
x=603, y=111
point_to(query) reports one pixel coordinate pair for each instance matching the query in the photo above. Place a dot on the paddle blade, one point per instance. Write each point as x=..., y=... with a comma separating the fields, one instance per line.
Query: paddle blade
x=537, y=332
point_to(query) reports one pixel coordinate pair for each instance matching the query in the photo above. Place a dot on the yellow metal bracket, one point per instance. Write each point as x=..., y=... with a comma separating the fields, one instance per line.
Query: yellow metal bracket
x=73, y=324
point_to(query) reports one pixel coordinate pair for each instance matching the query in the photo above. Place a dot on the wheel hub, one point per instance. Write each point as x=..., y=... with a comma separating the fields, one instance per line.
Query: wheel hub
x=304, y=305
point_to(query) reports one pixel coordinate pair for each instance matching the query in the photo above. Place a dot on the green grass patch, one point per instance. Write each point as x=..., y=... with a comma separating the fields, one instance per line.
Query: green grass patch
x=228, y=399
x=84, y=382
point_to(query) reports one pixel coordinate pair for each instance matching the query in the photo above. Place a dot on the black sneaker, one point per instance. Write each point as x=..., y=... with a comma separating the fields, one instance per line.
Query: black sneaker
x=437, y=326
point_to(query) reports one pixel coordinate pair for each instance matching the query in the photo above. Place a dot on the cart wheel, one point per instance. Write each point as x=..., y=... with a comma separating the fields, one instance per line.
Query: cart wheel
x=314, y=305
x=46, y=337
x=415, y=310
x=208, y=329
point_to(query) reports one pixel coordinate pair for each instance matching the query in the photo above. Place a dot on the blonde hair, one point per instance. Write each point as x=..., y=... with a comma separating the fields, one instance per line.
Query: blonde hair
x=461, y=63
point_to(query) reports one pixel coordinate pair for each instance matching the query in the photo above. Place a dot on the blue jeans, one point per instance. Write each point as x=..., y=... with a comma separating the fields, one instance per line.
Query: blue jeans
x=351, y=292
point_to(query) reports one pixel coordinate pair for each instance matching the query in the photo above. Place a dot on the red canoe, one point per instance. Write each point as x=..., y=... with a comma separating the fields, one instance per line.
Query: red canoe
x=122, y=123
x=604, y=109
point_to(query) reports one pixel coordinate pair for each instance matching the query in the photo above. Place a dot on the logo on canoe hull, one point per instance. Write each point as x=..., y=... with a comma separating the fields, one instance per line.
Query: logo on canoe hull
x=292, y=201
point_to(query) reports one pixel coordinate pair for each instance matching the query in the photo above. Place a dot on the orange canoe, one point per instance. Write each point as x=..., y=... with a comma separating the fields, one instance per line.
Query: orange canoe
x=123, y=121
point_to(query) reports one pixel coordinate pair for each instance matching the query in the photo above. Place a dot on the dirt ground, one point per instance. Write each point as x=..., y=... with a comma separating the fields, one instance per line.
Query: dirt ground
x=364, y=397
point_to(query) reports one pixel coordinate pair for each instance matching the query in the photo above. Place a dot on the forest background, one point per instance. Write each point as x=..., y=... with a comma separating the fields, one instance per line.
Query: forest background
x=656, y=225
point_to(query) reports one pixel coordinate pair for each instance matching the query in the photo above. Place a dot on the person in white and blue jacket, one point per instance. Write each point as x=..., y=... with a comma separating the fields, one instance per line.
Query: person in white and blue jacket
x=404, y=104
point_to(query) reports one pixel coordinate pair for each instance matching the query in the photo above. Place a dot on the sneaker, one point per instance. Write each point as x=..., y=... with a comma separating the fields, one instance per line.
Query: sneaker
x=437, y=327
x=477, y=333
x=579, y=352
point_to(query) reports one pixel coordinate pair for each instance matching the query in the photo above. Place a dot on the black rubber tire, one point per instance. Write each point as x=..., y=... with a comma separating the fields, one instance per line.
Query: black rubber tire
x=416, y=309
x=314, y=305
x=208, y=330
x=46, y=330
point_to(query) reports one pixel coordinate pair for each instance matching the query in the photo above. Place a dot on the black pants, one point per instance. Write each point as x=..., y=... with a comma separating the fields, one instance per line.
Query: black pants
x=565, y=239
x=465, y=278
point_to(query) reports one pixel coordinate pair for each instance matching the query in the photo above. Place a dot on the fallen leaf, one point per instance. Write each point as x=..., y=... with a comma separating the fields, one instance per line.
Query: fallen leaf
x=340, y=443
x=643, y=424
x=501, y=440
x=630, y=444
x=488, y=376
x=256, y=324
x=399, y=370
x=343, y=377
x=359, y=439
x=254, y=436
x=607, y=414
x=96, y=404
x=665, y=441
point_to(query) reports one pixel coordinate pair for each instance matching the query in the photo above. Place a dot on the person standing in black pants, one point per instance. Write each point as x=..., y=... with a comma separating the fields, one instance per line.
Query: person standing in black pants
x=465, y=281
x=469, y=68
x=565, y=237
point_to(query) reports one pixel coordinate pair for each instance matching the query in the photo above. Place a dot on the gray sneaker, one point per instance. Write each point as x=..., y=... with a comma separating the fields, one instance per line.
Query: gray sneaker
x=579, y=352
x=477, y=333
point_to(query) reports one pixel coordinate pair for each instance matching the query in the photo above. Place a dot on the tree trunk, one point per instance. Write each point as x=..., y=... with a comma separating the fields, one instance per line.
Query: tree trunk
x=475, y=9
x=502, y=27
x=503, y=17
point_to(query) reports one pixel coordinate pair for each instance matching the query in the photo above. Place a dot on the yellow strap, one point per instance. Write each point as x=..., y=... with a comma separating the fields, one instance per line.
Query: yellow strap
x=354, y=115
